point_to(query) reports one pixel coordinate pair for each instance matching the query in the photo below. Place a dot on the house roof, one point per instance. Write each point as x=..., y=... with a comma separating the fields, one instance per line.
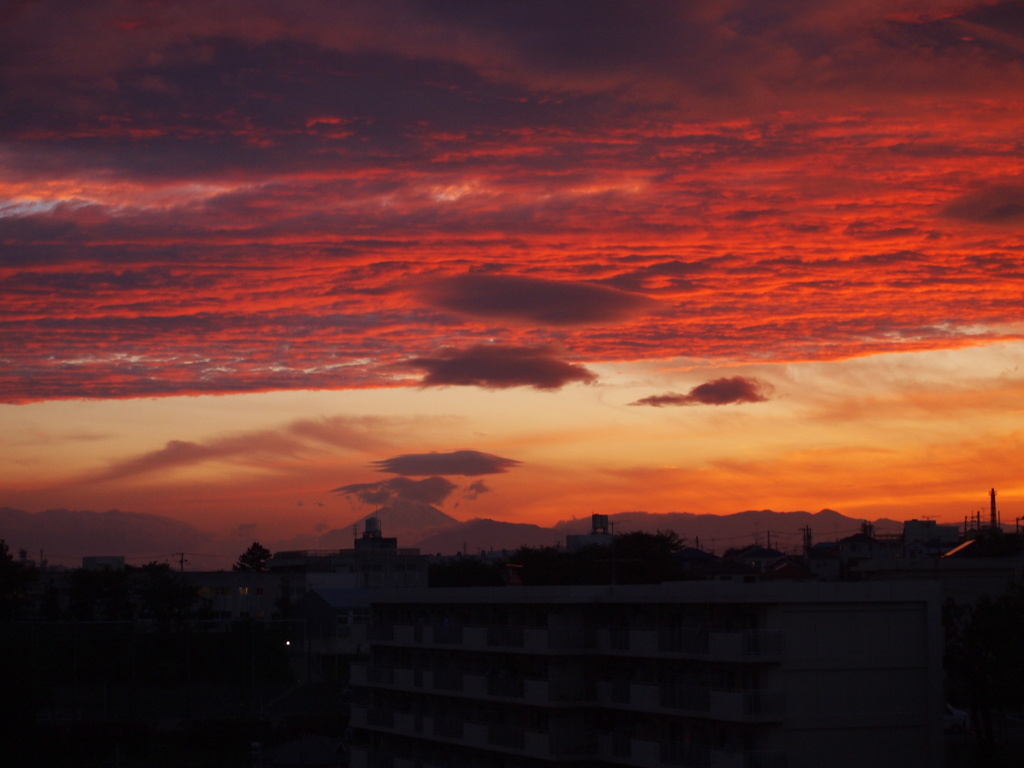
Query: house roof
x=970, y=544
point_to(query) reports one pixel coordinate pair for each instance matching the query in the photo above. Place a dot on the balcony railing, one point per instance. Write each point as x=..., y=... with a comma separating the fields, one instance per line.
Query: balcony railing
x=447, y=634
x=697, y=756
x=506, y=736
x=683, y=640
x=688, y=755
x=744, y=705
x=618, y=638
x=764, y=703
x=504, y=636
x=380, y=675
x=380, y=717
x=765, y=759
x=571, y=638
x=690, y=698
x=512, y=687
x=448, y=727
x=621, y=745
x=381, y=632
x=567, y=742
x=620, y=689
x=762, y=642
x=448, y=679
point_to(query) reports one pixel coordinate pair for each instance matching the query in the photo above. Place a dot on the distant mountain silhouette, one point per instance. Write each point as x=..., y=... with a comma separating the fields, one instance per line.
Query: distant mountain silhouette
x=713, y=532
x=483, y=535
x=66, y=535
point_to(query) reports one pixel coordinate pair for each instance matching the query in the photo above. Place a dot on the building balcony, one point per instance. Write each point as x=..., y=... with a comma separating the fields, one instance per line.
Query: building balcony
x=696, y=756
x=445, y=634
x=508, y=736
x=506, y=687
x=497, y=637
x=357, y=716
x=448, y=728
x=505, y=636
x=620, y=749
x=753, y=706
x=746, y=646
x=561, y=742
x=748, y=706
x=380, y=675
x=359, y=758
x=454, y=681
x=381, y=633
x=445, y=680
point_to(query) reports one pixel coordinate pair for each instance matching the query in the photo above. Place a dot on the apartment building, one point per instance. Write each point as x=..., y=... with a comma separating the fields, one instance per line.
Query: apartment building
x=704, y=674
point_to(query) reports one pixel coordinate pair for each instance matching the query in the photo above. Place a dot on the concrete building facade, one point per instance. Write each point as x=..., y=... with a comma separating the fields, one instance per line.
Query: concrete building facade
x=704, y=674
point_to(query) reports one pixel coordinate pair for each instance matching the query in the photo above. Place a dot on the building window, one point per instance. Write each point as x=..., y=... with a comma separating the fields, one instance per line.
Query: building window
x=243, y=590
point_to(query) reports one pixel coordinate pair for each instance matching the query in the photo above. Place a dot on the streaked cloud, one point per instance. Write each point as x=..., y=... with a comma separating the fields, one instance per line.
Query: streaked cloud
x=999, y=204
x=299, y=438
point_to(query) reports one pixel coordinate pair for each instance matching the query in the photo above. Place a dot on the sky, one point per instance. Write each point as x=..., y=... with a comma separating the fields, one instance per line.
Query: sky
x=266, y=265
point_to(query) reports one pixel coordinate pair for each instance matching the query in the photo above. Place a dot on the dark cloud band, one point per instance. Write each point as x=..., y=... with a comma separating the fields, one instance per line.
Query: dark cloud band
x=469, y=463
x=725, y=391
x=494, y=366
x=432, y=490
x=546, y=302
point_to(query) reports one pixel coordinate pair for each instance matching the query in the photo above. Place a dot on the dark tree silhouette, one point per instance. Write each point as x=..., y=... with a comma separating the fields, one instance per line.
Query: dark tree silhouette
x=102, y=595
x=983, y=661
x=633, y=558
x=254, y=559
x=165, y=595
x=14, y=580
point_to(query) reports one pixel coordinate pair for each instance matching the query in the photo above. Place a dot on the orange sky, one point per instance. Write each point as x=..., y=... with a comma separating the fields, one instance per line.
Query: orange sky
x=699, y=257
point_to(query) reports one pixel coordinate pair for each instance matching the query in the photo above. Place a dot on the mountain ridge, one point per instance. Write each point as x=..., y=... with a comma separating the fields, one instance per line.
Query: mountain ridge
x=783, y=530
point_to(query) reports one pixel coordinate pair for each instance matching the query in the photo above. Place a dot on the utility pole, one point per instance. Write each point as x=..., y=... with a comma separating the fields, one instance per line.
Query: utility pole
x=181, y=560
x=613, y=553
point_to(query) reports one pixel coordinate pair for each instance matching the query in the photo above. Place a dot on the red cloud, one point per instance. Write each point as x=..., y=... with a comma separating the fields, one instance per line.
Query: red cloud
x=228, y=199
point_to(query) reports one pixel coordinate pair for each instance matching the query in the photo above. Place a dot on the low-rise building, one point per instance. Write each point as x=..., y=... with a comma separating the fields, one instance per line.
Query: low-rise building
x=374, y=562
